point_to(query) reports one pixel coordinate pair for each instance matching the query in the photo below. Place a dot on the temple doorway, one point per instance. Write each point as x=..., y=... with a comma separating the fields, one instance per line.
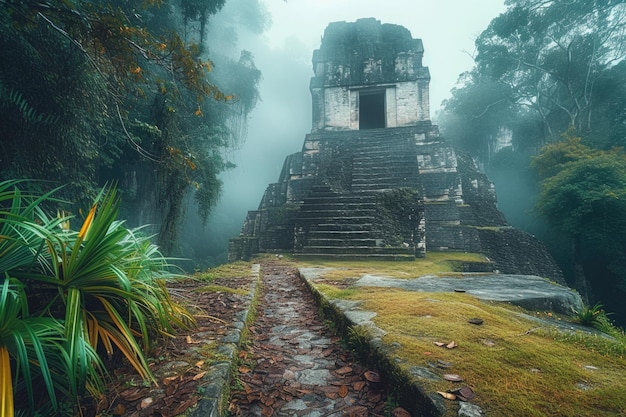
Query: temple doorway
x=372, y=113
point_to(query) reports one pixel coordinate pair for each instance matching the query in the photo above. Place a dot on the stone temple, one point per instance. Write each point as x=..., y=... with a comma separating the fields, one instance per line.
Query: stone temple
x=374, y=178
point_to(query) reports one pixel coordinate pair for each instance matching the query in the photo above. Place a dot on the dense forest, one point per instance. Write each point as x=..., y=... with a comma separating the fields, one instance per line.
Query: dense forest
x=543, y=110
x=136, y=94
x=124, y=92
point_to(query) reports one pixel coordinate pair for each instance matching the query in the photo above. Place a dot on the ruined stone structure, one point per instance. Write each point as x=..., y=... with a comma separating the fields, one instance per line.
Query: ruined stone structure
x=374, y=177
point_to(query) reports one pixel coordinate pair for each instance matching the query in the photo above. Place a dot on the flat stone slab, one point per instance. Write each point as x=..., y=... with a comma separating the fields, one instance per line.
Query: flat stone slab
x=528, y=291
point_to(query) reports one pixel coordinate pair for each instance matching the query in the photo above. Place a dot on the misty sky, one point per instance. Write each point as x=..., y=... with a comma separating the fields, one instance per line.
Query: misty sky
x=283, y=53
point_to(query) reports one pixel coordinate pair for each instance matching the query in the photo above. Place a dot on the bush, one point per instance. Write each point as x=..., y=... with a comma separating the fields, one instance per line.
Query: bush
x=66, y=295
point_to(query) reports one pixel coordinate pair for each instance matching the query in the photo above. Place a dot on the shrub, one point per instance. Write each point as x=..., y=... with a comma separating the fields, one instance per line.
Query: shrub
x=66, y=295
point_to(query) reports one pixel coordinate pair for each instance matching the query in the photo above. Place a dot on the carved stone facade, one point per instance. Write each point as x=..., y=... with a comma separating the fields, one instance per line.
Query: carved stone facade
x=363, y=65
x=374, y=177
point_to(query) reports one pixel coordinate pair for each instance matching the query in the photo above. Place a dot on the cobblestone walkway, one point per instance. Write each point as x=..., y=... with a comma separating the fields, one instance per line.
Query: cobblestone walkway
x=295, y=366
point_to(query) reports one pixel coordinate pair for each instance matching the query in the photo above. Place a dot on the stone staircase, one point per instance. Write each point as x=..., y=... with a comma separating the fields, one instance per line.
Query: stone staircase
x=384, y=159
x=342, y=224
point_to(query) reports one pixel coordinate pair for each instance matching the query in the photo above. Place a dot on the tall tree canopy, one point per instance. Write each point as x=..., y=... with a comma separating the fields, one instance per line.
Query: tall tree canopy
x=95, y=91
x=544, y=70
x=546, y=64
x=583, y=195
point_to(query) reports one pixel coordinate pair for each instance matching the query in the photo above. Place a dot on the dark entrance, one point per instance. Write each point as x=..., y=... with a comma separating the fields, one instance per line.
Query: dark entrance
x=371, y=109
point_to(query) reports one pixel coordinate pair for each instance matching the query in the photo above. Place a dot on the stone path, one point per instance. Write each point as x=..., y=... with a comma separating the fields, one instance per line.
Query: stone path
x=294, y=365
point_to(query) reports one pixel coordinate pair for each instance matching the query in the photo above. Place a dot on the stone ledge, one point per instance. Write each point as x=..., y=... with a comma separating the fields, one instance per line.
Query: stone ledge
x=347, y=313
x=219, y=375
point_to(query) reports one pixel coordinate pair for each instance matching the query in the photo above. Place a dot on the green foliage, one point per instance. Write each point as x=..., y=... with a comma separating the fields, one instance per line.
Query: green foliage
x=120, y=91
x=538, y=66
x=65, y=296
x=591, y=316
x=541, y=69
x=586, y=198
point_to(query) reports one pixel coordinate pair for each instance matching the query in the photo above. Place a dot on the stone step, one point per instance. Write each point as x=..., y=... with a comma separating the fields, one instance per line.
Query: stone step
x=380, y=186
x=346, y=220
x=340, y=242
x=358, y=250
x=382, y=163
x=355, y=257
x=331, y=214
x=360, y=198
x=342, y=227
x=329, y=205
x=339, y=234
x=390, y=171
x=360, y=179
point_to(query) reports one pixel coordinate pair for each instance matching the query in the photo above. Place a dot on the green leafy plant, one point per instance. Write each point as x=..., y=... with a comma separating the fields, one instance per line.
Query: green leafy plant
x=97, y=290
x=595, y=317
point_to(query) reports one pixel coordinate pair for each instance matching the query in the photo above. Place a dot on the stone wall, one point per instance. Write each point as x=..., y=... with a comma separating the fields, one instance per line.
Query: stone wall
x=365, y=55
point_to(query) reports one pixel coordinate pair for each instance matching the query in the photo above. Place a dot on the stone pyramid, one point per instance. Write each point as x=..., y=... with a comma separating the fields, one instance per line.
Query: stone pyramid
x=374, y=178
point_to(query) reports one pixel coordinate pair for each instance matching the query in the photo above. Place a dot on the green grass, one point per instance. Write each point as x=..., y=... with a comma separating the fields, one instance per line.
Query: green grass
x=230, y=270
x=516, y=366
x=435, y=263
x=223, y=289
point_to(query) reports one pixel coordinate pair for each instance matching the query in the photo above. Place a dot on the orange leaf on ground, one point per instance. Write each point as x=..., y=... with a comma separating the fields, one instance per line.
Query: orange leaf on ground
x=343, y=391
x=358, y=385
x=344, y=370
x=372, y=376
x=198, y=376
x=447, y=395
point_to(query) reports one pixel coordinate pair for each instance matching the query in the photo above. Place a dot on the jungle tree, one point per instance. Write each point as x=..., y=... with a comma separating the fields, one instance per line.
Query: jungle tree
x=93, y=91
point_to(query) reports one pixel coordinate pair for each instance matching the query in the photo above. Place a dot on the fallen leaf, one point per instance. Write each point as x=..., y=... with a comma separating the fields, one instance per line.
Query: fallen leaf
x=119, y=410
x=343, y=391
x=428, y=353
x=440, y=344
x=146, y=402
x=331, y=395
x=168, y=380
x=344, y=370
x=447, y=395
x=328, y=351
x=400, y=412
x=372, y=376
x=243, y=354
x=199, y=364
x=198, y=376
x=356, y=411
x=132, y=394
x=451, y=345
x=452, y=377
x=464, y=393
x=358, y=385
x=244, y=369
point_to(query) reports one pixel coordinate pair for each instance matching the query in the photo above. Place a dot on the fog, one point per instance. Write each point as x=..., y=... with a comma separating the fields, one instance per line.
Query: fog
x=279, y=123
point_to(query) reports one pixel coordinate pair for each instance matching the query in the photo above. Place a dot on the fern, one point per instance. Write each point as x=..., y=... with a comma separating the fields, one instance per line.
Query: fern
x=15, y=99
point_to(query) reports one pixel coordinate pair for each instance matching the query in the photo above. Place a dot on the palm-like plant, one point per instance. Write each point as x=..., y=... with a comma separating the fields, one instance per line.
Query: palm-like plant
x=99, y=287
